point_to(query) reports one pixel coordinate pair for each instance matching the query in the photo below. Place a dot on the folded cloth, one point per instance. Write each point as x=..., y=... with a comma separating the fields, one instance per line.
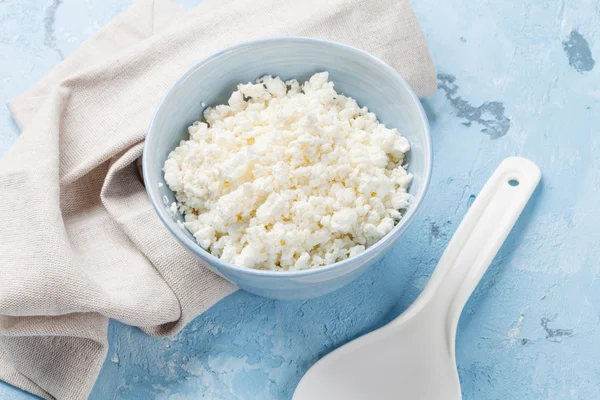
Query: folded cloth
x=80, y=242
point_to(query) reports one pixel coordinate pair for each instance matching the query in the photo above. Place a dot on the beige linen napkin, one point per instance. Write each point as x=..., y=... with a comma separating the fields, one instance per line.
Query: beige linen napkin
x=79, y=240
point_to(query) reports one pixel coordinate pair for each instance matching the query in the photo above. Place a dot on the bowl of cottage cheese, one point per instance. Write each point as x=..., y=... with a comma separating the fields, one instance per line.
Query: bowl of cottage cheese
x=288, y=165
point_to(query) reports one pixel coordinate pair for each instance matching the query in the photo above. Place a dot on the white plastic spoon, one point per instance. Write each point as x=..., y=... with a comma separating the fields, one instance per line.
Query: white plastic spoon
x=413, y=358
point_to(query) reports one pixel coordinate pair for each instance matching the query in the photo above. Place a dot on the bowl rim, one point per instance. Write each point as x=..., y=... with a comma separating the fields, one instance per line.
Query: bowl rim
x=392, y=236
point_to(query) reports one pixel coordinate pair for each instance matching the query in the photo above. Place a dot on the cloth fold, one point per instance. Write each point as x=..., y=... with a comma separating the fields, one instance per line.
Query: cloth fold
x=81, y=242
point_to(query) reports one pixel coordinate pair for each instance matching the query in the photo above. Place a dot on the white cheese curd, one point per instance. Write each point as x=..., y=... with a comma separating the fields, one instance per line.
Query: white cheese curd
x=289, y=176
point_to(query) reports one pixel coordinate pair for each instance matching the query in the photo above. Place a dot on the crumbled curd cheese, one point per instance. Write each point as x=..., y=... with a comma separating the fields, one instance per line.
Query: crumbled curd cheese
x=289, y=176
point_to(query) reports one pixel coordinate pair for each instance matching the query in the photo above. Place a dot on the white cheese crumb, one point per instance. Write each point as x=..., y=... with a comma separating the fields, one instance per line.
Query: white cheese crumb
x=160, y=184
x=172, y=210
x=288, y=176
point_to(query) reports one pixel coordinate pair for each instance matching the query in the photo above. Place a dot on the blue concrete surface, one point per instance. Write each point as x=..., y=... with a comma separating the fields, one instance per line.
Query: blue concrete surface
x=516, y=77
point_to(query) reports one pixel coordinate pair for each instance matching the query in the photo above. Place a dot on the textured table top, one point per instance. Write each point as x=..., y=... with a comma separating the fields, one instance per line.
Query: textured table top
x=515, y=77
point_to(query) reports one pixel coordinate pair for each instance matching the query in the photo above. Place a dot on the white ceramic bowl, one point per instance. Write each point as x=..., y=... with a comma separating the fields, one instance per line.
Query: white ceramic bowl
x=355, y=73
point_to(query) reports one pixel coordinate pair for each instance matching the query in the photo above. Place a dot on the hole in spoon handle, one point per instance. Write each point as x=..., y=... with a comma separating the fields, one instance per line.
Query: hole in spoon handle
x=479, y=237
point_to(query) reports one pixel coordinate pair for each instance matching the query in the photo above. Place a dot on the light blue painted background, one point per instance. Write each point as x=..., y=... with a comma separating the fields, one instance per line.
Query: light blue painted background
x=532, y=328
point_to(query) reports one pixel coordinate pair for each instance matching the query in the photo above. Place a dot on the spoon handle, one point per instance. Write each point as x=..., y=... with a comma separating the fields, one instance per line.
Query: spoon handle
x=477, y=241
